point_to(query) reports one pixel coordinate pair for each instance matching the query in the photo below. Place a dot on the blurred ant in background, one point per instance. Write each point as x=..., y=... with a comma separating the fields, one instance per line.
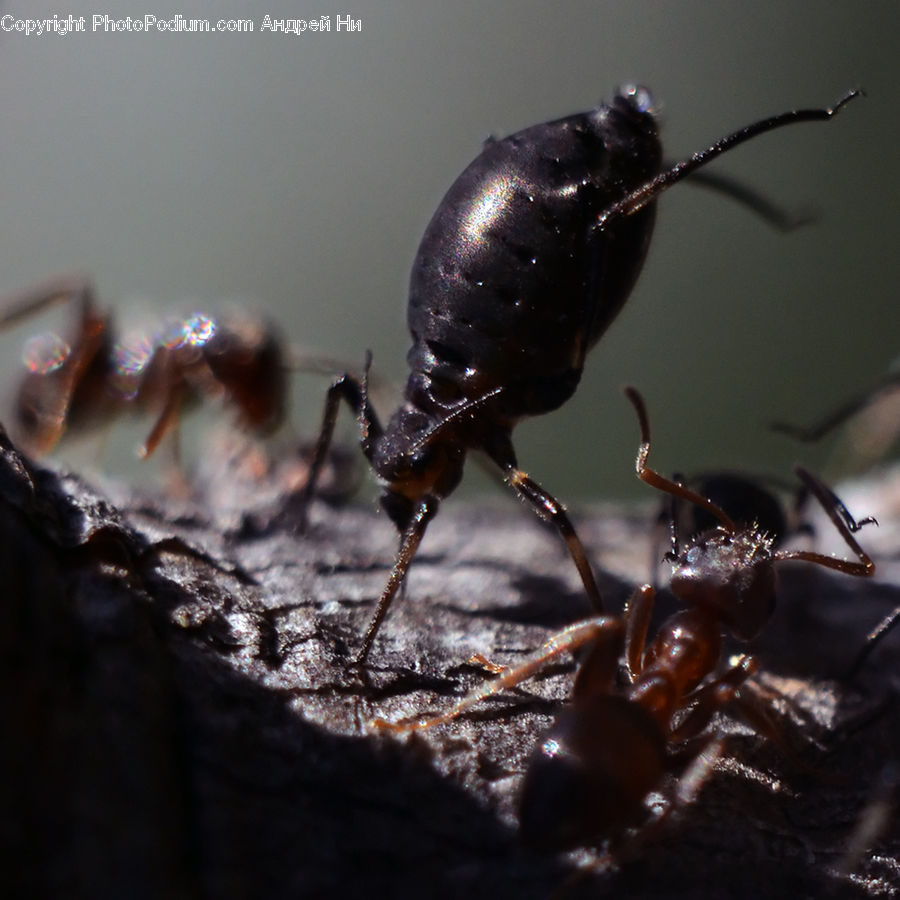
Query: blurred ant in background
x=641, y=708
x=90, y=377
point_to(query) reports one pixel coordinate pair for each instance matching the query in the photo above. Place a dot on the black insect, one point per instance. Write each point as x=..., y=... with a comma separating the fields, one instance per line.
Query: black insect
x=641, y=708
x=527, y=260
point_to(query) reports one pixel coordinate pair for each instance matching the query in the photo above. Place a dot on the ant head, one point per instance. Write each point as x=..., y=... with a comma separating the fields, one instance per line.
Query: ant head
x=246, y=358
x=730, y=574
x=415, y=459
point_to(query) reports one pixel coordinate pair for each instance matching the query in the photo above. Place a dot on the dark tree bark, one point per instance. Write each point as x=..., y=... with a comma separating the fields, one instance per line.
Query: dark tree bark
x=178, y=720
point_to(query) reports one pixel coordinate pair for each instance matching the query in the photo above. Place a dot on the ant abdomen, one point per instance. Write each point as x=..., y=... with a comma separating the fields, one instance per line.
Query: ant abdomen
x=582, y=784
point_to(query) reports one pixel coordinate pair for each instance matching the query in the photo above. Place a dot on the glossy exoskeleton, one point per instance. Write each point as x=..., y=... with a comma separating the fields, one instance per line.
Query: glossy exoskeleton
x=527, y=260
x=640, y=707
x=91, y=377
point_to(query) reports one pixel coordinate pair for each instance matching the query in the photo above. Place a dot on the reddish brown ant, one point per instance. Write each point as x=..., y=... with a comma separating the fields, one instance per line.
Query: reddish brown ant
x=90, y=378
x=639, y=708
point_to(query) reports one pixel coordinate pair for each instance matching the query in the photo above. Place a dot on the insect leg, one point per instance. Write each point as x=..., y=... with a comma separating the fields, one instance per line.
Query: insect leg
x=549, y=508
x=873, y=639
x=409, y=543
x=712, y=696
x=683, y=794
x=846, y=525
x=166, y=421
x=818, y=430
x=648, y=192
x=604, y=631
x=41, y=296
x=355, y=394
x=637, y=615
x=500, y=450
x=741, y=193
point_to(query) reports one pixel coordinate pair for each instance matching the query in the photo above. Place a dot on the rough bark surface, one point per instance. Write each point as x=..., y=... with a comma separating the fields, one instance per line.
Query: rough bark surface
x=179, y=722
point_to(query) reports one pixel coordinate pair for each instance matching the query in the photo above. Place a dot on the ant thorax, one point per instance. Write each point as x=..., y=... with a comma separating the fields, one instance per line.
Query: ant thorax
x=731, y=575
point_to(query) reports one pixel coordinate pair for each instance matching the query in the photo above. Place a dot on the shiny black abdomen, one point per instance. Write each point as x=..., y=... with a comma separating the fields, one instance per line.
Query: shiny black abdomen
x=512, y=283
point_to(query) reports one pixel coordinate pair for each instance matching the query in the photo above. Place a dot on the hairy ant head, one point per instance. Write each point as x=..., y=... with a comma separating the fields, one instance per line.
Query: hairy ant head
x=728, y=570
x=730, y=575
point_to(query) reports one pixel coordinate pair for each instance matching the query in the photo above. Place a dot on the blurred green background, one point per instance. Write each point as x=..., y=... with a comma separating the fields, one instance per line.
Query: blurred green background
x=295, y=175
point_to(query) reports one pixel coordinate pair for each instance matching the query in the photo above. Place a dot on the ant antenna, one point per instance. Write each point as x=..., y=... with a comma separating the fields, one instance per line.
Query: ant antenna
x=654, y=479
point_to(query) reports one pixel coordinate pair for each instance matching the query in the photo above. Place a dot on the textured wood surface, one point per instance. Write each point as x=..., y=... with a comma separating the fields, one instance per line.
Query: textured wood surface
x=178, y=721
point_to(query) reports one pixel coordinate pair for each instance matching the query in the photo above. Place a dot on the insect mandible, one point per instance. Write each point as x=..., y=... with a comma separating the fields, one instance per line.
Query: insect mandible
x=527, y=260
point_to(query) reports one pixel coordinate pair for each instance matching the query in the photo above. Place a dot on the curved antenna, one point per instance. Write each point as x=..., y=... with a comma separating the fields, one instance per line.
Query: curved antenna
x=654, y=479
x=649, y=191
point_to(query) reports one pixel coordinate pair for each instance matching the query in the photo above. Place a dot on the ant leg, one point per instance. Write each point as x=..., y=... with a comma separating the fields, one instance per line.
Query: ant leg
x=683, y=794
x=846, y=525
x=32, y=300
x=749, y=702
x=653, y=478
x=756, y=202
x=355, y=394
x=712, y=696
x=604, y=632
x=167, y=420
x=873, y=639
x=637, y=615
x=549, y=508
x=816, y=431
x=84, y=342
x=409, y=543
x=649, y=191
x=500, y=450
x=873, y=821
